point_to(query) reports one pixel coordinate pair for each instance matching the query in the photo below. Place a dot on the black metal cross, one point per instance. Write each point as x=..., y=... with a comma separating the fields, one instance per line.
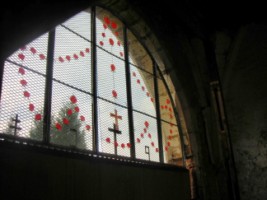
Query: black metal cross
x=76, y=135
x=115, y=131
x=17, y=121
x=147, y=151
x=117, y=117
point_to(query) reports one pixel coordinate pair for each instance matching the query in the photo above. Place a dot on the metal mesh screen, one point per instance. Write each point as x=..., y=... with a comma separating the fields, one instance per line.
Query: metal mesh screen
x=22, y=97
x=146, y=137
x=71, y=117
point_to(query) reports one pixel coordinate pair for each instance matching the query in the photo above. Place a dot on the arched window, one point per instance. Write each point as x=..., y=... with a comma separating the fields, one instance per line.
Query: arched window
x=89, y=85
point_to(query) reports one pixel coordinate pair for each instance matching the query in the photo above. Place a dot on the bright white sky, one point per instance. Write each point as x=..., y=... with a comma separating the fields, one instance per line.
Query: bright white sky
x=78, y=74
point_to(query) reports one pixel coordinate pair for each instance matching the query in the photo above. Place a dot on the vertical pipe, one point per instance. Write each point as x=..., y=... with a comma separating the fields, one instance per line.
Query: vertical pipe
x=48, y=86
x=94, y=80
x=129, y=93
x=159, y=129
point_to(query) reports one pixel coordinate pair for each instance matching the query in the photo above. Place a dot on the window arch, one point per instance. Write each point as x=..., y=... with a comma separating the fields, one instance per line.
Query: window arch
x=90, y=85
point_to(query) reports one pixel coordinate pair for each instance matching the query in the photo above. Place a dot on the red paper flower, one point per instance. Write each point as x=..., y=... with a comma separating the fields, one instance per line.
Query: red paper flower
x=166, y=148
x=23, y=48
x=169, y=137
x=112, y=67
x=75, y=56
x=157, y=149
x=145, y=130
x=108, y=140
x=116, y=144
x=82, y=118
x=58, y=126
x=88, y=127
x=21, y=71
x=128, y=145
x=81, y=53
x=151, y=99
x=33, y=50
x=162, y=107
x=66, y=121
x=138, y=81
x=38, y=117
x=114, y=25
x=60, y=59
x=171, y=116
x=168, y=101
x=149, y=135
x=121, y=54
x=170, y=131
x=119, y=43
x=169, y=144
x=101, y=43
x=146, y=123
x=117, y=33
x=87, y=50
x=166, y=107
x=31, y=107
x=170, y=109
x=68, y=58
x=122, y=145
x=26, y=94
x=105, y=26
x=152, y=144
x=41, y=56
x=138, y=140
x=21, y=56
x=77, y=109
x=69, y=112
x=106, y=20
x=73, y=99
x=111, y=42
x=134, y=74
x=103, y=34
x=142, y=135
x=143, y=88
x=147, y=94
x=114, y=93
x=23, y=82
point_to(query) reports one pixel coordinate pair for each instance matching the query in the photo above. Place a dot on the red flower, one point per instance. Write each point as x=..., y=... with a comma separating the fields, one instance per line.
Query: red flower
x=31, y=107
x=171, y=116
x=166, y=107
x=170, y=109
x=68, y=58
x=21, y=71
x=117, y=33
x=157, y=149
x=112, y=67
x=169, y=137
x=105, y=26
x=108, y=140
x=88, y=127
x=106, y=20
x=152, y=100
x=145, y=130
x=166, y=148
x=21, y=56
x=58, y=126
x=116, y=144
x=114, y=25
x=146, y=123
x=101, y=43
x=128, y=145
x=147, y=94
x=75, y=56
x=60, y=59
x=168, y=101
x=162, y=107
x=119, y=43
x=65, y=121
x=26, y=94
x=82, y=118
x=134, y=74
x=23, y=82
x=142, y=135
x=143, y=88
x=111, y=42
x=152, y=144
x=81, y=53
x=121, y=54
x=73, y=99
x=41, y=56
x=38, y=117
x=138, y=81
x=23, y=48
x=170, y=131
x=138, y=140
x=69, y=112
x=114, y=93
x=87, y=50
x=169, y=144
x=77, y=109
x=103, y=34
x=149, y=135
x=122, y=145
x=33, y=50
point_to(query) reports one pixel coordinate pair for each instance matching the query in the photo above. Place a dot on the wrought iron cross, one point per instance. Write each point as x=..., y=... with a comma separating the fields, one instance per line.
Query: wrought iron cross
x=115, y=128
x=117, y=117
x=17, y=121
x=147, y=151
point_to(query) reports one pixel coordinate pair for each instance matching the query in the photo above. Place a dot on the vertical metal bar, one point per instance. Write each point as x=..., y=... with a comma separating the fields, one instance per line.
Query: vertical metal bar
x=2, y=65
x=177, y=118
x=48, y=86
x=129, y=93
x=94, y=80
x=159, y=129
